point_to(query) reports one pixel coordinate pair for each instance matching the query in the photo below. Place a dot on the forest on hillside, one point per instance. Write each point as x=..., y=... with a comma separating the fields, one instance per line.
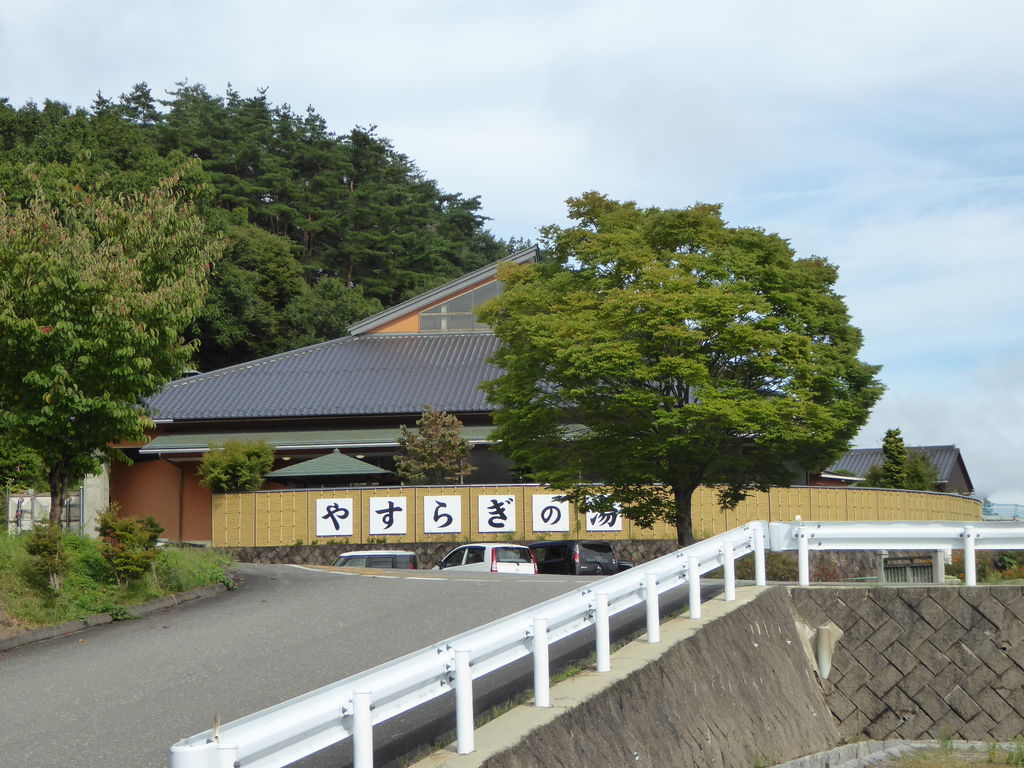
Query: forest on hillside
x=322, y=229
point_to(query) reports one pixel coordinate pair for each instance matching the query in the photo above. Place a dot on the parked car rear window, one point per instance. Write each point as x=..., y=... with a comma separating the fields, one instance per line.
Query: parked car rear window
x=601, y=553
x=513, y=555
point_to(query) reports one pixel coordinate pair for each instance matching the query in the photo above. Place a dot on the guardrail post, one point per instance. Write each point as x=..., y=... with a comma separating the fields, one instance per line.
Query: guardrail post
x=804, y=559
x=939, y=566
x=464, y=741
x=693, y=575
x=653, y=609
x=603, y=635
x=730, y=571
x=194, y=755
x=362, y=729
x=760, y=572
x=541, y=671
x=970, y=568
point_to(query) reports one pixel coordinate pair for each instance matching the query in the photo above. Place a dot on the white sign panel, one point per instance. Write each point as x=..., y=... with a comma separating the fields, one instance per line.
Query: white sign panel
x=608, y=520
x=442, y=514
x=497, y=514
x=549, y=514
x=388, y=515
x=334, y=517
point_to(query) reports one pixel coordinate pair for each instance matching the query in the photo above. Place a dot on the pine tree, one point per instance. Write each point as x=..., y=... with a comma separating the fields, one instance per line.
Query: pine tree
x=436, y=454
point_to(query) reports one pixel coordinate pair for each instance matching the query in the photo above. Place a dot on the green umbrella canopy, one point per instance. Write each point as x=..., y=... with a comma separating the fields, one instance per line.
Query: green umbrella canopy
x=334, y=463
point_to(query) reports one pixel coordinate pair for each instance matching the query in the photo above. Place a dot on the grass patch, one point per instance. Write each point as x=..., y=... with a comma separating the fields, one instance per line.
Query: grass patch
x=29, y=598
x=995, y=755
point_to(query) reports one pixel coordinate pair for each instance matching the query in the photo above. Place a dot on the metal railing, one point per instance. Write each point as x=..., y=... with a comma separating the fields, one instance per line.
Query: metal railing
x=936, y=536
x=287, y=732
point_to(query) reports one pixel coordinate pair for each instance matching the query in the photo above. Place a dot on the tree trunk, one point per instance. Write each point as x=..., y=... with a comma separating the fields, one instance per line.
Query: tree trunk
x=58, y=490
x=683, y=495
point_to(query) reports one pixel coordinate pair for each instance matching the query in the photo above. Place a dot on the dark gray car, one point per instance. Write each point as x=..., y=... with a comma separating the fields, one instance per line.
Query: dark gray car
x=583, y=558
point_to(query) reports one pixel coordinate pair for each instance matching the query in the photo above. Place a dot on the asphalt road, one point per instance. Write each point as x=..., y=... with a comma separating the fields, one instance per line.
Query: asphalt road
x=118, y=696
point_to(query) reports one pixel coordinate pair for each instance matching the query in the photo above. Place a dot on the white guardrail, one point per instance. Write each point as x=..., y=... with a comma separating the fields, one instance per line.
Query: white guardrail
x=282, y=734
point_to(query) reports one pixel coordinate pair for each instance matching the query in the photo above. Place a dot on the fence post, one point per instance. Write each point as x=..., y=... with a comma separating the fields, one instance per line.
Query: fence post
x=194, y=755
x=362, y=730
x=464, y=737
x=760, y=572
x=730, y=571
x=970, y=568
x=541, y=671
x=653, y=615
x=693, y=574
x=804, y=558
x=604, y=660
x=939, y=566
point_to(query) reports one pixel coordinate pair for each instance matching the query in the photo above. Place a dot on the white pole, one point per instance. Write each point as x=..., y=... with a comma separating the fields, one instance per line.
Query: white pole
x=362, y=730
x=604, y=649
x=939, y=566
x=541, y=673
x=760, y=572
x=970, y=568
x=463, y=704
x=227, y=755
x=653, y=613
x=805, y=560
x=194, y=755
x=693, y=574
x=730, y=571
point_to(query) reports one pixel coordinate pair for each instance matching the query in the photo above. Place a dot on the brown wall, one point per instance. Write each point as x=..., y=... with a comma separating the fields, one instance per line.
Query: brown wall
x=171, y=495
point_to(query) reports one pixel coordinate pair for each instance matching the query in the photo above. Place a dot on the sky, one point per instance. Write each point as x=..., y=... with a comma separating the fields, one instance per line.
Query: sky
x=885, y=137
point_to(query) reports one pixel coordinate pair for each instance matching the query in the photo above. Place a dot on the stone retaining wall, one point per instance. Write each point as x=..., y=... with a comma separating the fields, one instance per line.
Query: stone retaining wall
x=825, y=566
x=428, y=552
x=739, y=692
x=913, y=662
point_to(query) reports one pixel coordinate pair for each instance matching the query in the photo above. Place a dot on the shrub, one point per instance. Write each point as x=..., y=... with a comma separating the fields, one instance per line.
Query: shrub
x=236, y=465
x=45, y=543
x=128, y=543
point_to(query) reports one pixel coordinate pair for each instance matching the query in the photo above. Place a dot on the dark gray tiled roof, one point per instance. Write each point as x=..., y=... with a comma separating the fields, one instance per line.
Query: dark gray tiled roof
x=860, y=460
x=373, y=374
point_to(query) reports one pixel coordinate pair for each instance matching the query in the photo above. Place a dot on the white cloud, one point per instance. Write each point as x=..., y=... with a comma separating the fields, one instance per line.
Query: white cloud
x=882, y=135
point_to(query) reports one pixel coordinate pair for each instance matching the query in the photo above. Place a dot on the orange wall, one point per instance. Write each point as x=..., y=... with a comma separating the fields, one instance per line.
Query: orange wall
x=411, y=323
x=154, y=488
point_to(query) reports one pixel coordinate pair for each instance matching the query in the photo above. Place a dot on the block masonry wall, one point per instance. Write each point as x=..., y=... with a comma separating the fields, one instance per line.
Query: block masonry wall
x=923, y=662
x=739, y=692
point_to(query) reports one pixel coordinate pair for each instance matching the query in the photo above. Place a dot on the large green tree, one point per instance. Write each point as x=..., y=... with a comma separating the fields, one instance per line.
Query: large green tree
x=666, y=348
x=95, y=293
x=350, y=215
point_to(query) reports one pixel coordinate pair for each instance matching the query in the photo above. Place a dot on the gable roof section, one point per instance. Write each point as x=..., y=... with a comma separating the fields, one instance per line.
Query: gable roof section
x=375, y=374
x=943, y=457
x=455, y=287
x=332, y=464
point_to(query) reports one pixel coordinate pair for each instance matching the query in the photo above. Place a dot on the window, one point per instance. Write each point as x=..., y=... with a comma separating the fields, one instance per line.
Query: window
x=459, y=313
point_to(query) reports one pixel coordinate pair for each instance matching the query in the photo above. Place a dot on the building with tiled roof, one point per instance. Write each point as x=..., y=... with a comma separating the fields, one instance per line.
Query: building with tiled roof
x=946, y=459
x=350, y=394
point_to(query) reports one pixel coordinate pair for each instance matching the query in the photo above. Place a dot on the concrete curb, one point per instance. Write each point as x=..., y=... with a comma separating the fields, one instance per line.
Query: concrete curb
x=136, y=611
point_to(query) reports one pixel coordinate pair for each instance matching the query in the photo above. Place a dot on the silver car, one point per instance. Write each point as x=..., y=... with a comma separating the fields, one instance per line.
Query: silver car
x=493, y=558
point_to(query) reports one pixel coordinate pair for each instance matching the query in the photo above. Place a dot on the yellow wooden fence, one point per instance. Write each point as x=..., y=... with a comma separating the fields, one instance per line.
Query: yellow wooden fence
x=275, y=518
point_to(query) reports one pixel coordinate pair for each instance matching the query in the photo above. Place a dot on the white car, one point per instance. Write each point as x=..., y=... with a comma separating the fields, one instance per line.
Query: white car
x=493, y=558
